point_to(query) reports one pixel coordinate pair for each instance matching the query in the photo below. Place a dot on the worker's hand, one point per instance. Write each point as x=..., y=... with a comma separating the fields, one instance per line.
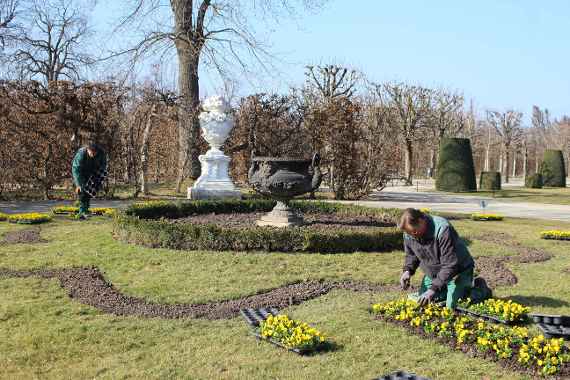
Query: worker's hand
x=426, y=297
x=405, y=280
x=77, y=190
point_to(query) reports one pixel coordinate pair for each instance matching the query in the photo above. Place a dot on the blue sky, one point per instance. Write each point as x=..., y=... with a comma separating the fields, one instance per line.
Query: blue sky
x=502, y=53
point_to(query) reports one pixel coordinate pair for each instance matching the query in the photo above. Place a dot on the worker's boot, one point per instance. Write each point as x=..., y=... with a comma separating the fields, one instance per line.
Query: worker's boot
x=480, y=291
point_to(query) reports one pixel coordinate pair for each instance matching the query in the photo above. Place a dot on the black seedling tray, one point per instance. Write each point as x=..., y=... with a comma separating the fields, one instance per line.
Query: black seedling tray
x=553, y=331
x=557, y=320
x=486, y=317
x=279, y=344
x=401, y=375
x=255, y=316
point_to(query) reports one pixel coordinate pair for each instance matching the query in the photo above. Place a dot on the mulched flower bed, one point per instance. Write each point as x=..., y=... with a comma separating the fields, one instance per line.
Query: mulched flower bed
x=317, y=221
x=27, y=236
x=88, y=286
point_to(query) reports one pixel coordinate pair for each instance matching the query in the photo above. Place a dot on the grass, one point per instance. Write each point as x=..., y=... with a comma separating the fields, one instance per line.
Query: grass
x=48, y=335
x=548, y=195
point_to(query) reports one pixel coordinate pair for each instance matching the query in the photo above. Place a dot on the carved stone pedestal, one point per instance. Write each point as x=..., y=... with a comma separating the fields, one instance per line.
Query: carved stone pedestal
x=281, y=216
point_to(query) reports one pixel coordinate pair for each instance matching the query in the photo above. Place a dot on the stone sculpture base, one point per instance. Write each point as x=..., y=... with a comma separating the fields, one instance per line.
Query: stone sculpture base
x=214, y=183
x=281, y=216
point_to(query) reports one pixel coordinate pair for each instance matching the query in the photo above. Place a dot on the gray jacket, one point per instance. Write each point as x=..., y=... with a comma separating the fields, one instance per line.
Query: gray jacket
x=441, y=253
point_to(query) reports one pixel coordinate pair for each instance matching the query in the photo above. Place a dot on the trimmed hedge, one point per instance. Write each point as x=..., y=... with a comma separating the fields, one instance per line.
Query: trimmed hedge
x=534, y=181
x=455, y=168
x=552, y=169
x=490, y=181
x=141, y=224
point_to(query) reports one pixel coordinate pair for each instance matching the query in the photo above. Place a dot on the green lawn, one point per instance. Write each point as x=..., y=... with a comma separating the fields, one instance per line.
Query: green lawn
x=45, y=334
x=549, y=195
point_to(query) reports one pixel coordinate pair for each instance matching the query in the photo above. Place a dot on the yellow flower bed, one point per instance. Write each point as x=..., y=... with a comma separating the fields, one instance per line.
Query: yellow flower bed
x=29, y=218
x=425, y=210
x=483, y=216
x=555, y=235
x=3, y=217
x=65, y=210
x=506, y=310
x=291, y=333
x=107, y=211
x=546, y=356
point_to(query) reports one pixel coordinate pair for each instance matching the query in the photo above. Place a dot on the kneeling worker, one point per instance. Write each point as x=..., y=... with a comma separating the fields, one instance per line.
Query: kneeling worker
x=432, y=243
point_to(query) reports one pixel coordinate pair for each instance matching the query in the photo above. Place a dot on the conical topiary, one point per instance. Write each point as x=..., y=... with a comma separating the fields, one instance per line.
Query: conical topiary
x=455, y=169
x=533, y=181
x=490, y=181
x=552, y=169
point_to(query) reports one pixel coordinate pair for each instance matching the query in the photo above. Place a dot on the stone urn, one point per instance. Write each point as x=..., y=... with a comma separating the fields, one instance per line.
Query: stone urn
x=282, y=179
x=216, y=122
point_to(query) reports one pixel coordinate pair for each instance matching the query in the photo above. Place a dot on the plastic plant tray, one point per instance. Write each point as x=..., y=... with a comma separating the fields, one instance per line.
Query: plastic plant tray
x=255, y=316
x=558, y=320
x=554, y=331
x=402, y=375
x=486, y=317
x=279, y=344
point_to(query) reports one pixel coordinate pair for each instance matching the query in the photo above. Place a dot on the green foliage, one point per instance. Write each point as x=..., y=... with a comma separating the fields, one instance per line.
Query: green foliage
x=455, y=168
x=552, y=169
x=490, y=181
x=140, y=224
x=534, y=181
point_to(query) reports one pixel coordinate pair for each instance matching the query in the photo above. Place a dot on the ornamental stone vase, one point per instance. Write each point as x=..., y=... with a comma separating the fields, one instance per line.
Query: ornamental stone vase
x=282, y=179
x=216, y=124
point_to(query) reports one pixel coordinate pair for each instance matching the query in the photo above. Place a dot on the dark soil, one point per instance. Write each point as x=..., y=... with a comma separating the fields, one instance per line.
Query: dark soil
x=27, y=236
x=494, y=271
x=312, y=220
x=88, y=286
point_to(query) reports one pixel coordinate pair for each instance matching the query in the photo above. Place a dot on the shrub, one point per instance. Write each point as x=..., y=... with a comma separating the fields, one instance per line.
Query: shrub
x=534, y=181
x=555, y=235
x=552, y=169
x=490, y=181
x=455, y=168
x=29, y=218
x=485, y=217
x=141, y=224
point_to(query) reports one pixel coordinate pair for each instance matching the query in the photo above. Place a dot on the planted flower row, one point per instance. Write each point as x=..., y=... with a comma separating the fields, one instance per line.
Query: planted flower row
x=28, y=218
x=3, y=217
x=107, y=211
x=506, y=343
x=291, y=333
x=504, y=311
x=482, y=216
x=555, y=235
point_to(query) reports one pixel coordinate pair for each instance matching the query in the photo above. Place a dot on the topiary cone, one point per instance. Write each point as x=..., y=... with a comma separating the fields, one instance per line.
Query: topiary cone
x=490, y=181
x=553, y=169
x=455, y=168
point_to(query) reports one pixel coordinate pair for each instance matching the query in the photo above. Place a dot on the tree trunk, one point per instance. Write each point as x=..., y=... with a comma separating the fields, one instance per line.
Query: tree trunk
x=507, y=164
x=433, y=160
x=144, y=150
x=188, y=123
x=514, y=163
x=525, y=163
x=409, y=156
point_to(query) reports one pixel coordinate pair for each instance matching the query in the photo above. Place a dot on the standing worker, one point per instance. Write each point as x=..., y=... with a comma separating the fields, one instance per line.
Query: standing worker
x=432, y=243
x=89, y=169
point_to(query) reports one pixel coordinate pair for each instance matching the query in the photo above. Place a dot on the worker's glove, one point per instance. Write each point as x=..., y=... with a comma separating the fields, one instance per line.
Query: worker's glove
x=426, y=297
x=405, y=280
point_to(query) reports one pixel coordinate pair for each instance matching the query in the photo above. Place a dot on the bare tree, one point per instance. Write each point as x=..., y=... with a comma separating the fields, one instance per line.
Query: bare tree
x=9, y=29
x=411, y=107
x=508, y=126
x=446, y=119
x=217, y=33
x=52, y=46
x=543, y=130
x=332, y=81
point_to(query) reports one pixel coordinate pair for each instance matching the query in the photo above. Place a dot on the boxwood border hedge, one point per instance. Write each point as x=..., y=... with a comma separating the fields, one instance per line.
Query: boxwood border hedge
x=145, y=224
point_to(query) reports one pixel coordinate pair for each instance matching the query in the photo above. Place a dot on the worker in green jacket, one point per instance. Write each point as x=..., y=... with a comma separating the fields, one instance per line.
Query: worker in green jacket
x=431, y=242
x=89, y=169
